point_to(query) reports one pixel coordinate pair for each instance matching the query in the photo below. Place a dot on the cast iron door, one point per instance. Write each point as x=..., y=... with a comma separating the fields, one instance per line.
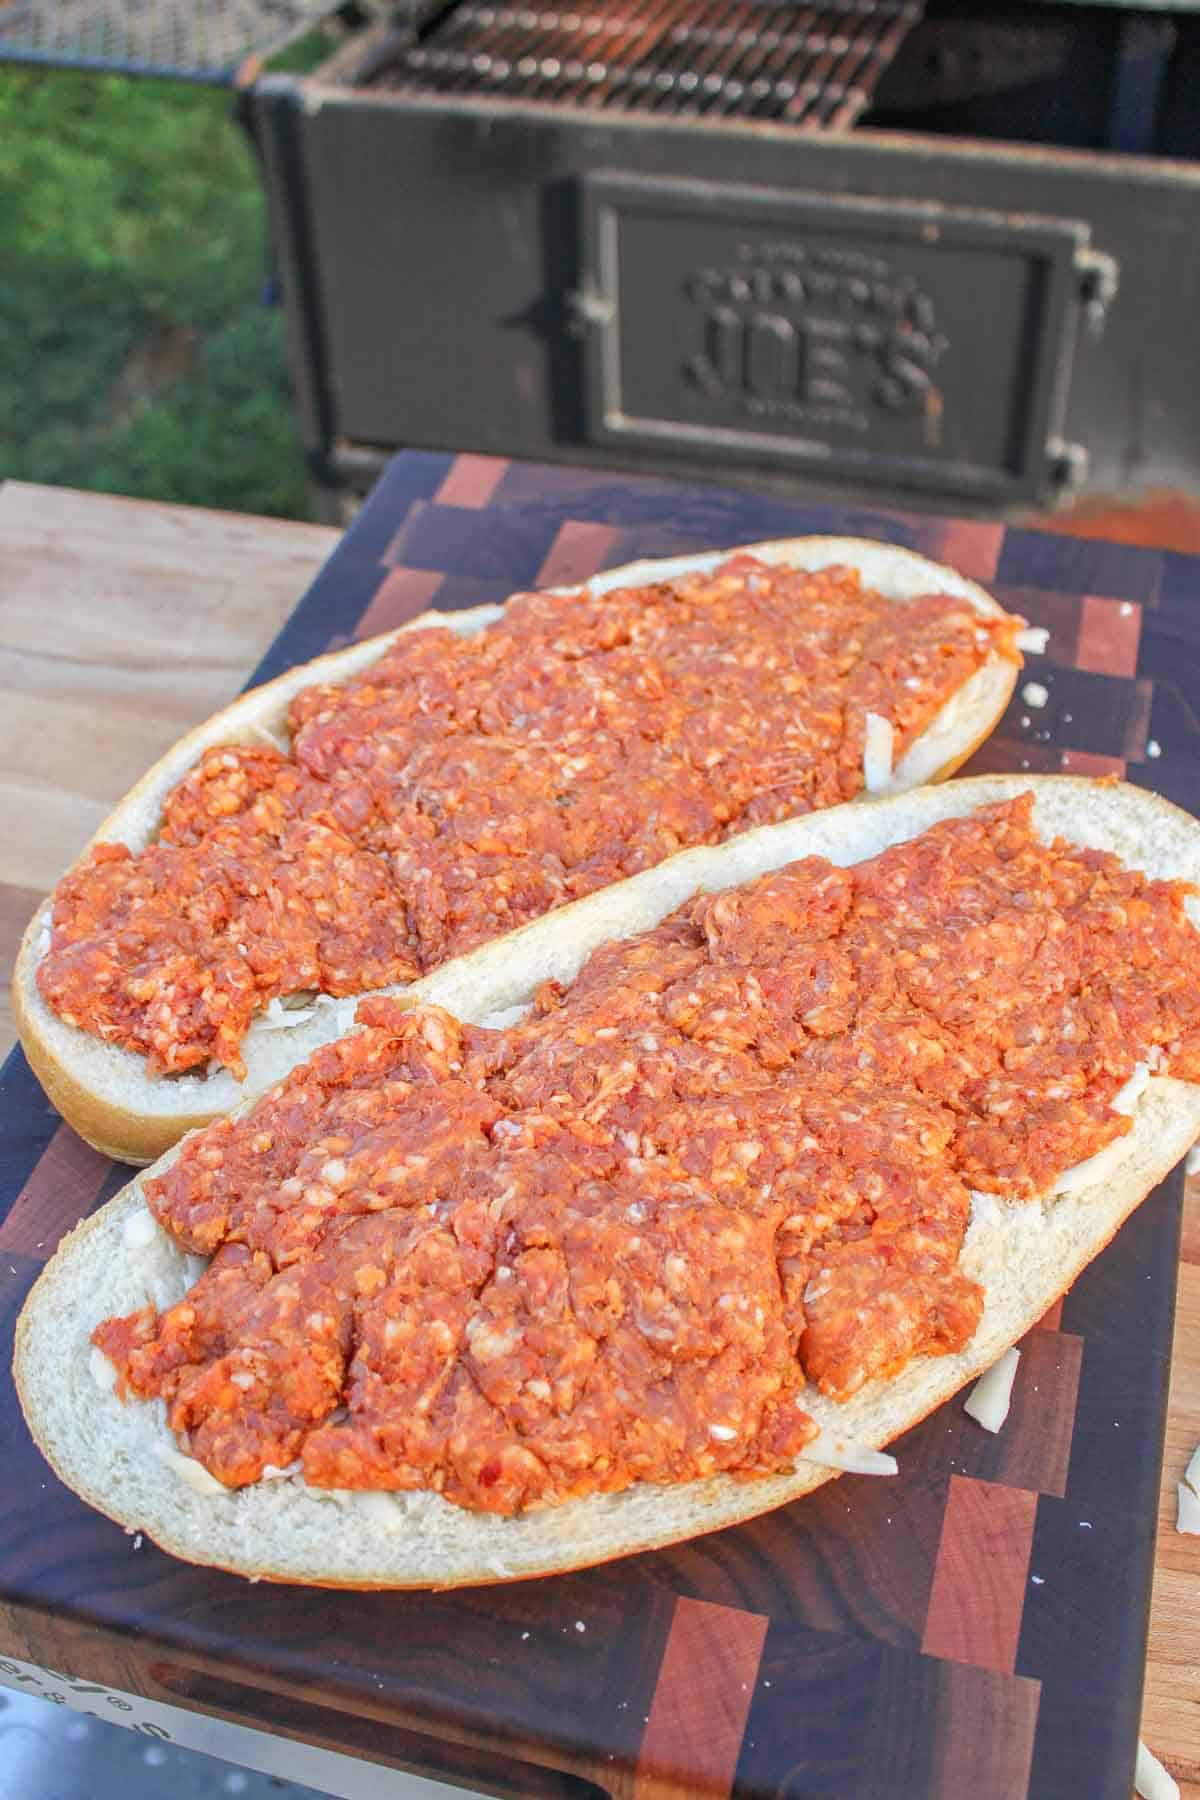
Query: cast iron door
x=898, y=342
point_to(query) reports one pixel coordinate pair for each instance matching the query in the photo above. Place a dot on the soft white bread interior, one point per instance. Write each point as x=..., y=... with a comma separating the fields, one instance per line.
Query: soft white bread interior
x=104, y=1090
x=1025, y=1254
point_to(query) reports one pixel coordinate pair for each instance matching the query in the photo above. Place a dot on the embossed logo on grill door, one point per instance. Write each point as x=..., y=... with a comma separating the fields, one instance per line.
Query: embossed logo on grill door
x=815, y=337
x=895, y=341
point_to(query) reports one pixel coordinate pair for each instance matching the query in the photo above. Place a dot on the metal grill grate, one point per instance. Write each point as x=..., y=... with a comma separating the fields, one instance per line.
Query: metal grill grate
x=212, y=42
x=815, y=66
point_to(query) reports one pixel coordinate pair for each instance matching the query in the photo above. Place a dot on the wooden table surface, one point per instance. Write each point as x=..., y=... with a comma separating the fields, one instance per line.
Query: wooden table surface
x=124, y=622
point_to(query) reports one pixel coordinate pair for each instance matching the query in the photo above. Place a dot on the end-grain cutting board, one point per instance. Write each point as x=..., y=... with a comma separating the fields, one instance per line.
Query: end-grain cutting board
x=975, y=1627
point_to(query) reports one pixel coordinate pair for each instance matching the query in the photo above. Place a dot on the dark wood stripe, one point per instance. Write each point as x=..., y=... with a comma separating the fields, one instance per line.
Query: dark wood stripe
x=693, y=1737
x=348, y=582
x=60, y=1190
x=1034, y=1448
x=981, y=1572
x=1018, y=754
x=984, y=1742
x=1137, y=728
x=1056, y=613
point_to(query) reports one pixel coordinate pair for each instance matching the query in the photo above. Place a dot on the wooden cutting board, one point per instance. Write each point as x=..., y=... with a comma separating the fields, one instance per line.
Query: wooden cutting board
x=976, y=1626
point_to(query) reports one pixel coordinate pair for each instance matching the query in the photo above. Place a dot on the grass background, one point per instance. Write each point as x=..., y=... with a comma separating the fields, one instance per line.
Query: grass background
x=136, y=354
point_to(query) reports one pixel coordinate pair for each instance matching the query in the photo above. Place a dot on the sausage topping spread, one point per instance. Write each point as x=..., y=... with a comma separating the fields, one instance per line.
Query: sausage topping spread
x=462, y=786
x=612, y=1243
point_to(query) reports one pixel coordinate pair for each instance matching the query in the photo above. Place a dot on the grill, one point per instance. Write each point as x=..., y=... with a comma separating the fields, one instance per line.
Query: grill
x=810, y=66
x=945, y=249
x=219, y=42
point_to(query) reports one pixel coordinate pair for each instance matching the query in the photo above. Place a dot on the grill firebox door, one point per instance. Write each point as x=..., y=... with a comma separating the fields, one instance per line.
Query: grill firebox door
x=898, y=342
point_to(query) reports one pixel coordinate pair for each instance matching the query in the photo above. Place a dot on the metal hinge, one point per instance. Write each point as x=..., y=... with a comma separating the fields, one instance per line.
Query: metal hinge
x=587, y=310
x=1099, y=278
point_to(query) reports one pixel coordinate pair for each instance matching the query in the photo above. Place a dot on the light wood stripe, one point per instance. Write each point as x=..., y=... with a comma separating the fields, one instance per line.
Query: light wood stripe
x=979, y=1579
x=693, y=1737
x=579, y=550
x=401, y=595
x=1109, y=634
x=1089, y=762
x=471, y=480
x=972, y=547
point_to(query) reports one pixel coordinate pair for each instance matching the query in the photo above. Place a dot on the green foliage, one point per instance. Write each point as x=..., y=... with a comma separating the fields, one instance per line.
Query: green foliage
x=135, y=355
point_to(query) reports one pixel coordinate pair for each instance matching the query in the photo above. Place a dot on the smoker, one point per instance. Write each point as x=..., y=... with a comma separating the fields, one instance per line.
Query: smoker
x=950, y=252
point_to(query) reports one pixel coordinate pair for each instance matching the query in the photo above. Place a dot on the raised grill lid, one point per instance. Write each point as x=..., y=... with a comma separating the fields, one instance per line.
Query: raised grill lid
x=815, y=66
x=212, y=42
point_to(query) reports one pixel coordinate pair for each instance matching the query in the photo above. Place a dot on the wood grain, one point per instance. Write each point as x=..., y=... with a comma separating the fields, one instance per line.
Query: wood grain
x=987, y=1747
x=123, y=624
x=709, y=1671
x=472, y=480
x=982, y=1568
x=38, y=1218
x=1171, y=1708
x=577, y=551
x=402, y=595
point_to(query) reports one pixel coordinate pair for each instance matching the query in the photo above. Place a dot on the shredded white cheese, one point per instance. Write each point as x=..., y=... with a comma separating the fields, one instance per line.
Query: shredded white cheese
x=1187, y=1519
x=1151, y=1780
x=1126, y=1099
x=1192, y=1473
x=1034, y=638
x=879, y=745
x=1035, y=695
x=191, y=1473
x=103, y=1372
x=140, y=1230
x=834, y=1452
x=254, y=733
x=272, y=1471
x=278, y=1017
x=1093, y=1168
x=990, y=1398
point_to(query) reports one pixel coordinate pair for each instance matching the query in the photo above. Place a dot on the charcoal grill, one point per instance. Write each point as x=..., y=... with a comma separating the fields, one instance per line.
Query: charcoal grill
x=752, y=239
x=949, y=250
x=808, y=65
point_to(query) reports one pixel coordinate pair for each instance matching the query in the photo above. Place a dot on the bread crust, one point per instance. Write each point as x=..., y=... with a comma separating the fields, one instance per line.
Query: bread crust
x=1026, y=1254
x=104, y=1091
